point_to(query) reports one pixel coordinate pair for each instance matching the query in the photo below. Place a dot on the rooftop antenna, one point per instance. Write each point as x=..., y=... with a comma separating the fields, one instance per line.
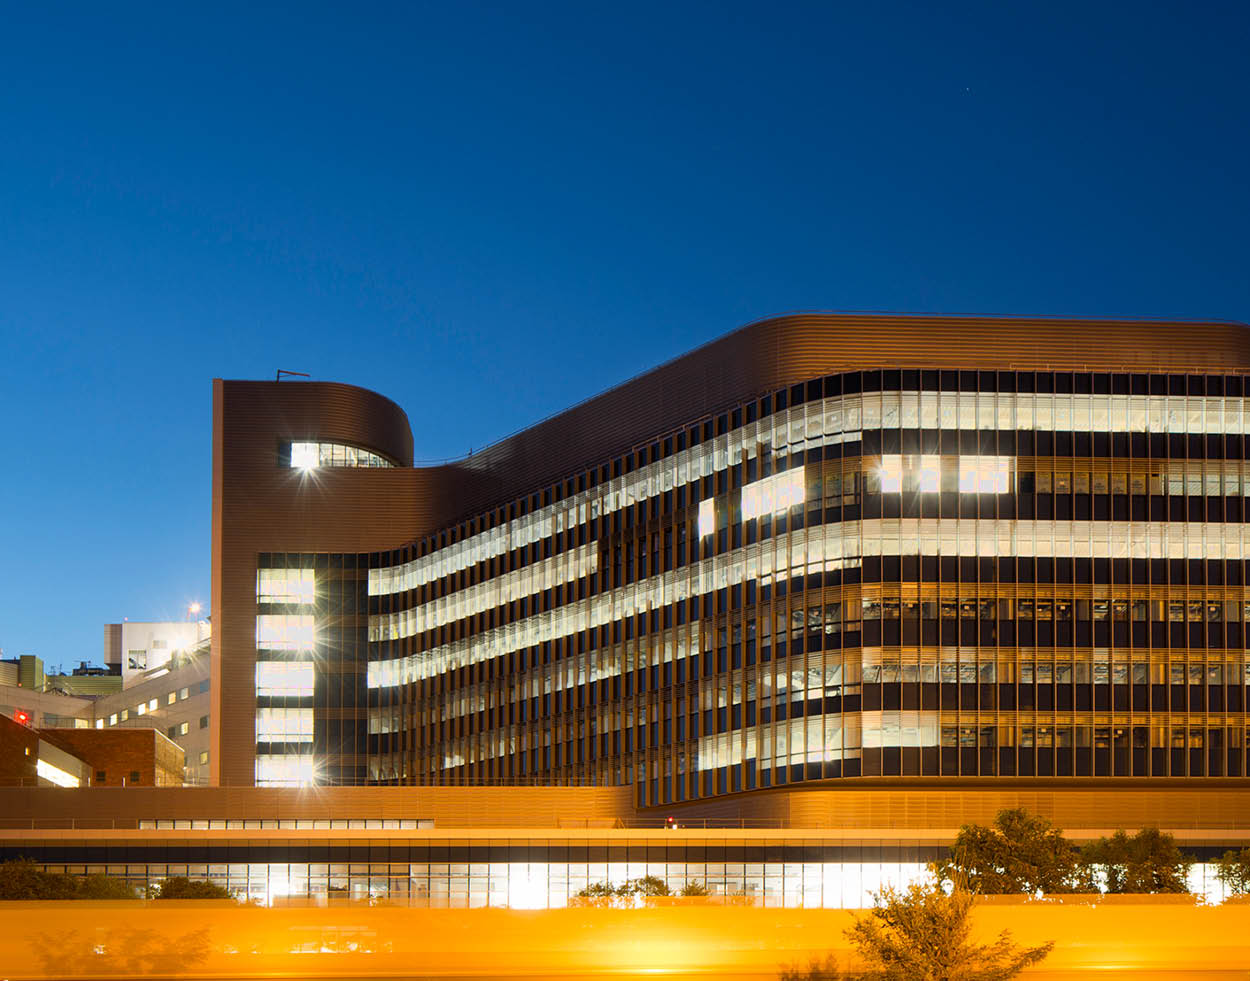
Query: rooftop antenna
x=283, y=371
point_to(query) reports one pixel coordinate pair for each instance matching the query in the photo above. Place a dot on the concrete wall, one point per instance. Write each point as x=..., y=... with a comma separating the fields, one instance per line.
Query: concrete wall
x=46, y=708
x=168, y=716
x=152, y=689
x=149, y=645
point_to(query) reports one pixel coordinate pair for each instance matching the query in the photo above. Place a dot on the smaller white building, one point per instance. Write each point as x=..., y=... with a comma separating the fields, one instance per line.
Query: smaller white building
x=143, y=646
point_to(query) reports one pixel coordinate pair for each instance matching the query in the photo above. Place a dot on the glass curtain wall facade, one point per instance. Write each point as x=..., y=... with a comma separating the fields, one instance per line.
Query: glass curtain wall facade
x=874, y=573
x=531, y=873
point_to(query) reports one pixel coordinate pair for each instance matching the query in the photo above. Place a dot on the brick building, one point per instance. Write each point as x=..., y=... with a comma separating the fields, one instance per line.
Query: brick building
x=31, y=757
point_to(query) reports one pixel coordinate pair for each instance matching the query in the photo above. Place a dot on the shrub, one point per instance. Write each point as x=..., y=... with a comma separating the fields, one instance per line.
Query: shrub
x=180, y=887
x=627, y=891
x=597, y=890
x=816, y=970
x=648, y=885
x=104, y=887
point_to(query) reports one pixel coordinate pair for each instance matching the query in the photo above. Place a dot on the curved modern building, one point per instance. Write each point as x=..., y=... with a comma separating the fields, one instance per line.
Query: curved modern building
x=822, y=548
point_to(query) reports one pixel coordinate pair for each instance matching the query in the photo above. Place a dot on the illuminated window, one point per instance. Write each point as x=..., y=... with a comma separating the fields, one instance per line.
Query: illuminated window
x=285, y=586
x=930, y=474
x=284, y=725
x=923, y=473
x=985, y=474
x=306, y=456
x=303, y=455
x=203, y=756
x=707, y=517
x=285, y=632
x=774, y=494
x=54, y=774
x=286, y=678
x=891, y=474
x=285, y=771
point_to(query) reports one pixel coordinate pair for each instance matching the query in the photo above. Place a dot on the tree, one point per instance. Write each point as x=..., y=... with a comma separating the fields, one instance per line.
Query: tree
x=1022, y=853
x=1147, y=862
x=180, y=887
x=816, y=970
x=693, y=888
x=23, y=878
x=648, y=885
x=627, y=891
x=103, y=887
x=1233, y=869
x=924, y=934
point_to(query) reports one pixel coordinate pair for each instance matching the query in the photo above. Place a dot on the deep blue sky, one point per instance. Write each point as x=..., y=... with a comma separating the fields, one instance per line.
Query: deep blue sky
x=436, y=201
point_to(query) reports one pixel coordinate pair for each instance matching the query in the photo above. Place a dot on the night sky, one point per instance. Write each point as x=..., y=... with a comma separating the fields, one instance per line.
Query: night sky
x=490, y=213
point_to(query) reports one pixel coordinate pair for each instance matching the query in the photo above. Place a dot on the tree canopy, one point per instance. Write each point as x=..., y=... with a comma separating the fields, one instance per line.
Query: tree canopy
x=924, y=933
x=1233, y=869
x=1147, y=862
x=630, y=889
x=180, y=887
x=1024, y=853
x=23, y=878
x=1021, y=853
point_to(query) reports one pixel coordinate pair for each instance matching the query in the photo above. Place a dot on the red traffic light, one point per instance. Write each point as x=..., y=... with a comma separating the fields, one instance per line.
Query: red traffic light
x=21, y=717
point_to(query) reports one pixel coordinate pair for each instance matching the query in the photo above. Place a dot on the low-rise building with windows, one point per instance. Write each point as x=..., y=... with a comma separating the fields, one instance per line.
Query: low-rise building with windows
x=171, y=696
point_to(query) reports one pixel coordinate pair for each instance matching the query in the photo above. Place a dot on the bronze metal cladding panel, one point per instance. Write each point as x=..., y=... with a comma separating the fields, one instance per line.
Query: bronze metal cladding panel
x=890, y=806
x=259, y=506
x=914, y=804
x=447, y=807
x=784, y=351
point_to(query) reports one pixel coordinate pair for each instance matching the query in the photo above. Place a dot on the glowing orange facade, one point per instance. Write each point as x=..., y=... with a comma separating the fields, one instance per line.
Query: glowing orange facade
x=821, y=548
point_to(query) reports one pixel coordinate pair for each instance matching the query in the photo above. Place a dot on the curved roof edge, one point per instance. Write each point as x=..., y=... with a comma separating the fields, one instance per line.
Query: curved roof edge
x=884, y=317
x=326, y=410
x=777, y=352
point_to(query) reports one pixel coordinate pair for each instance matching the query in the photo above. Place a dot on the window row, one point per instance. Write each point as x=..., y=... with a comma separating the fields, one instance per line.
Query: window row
x=803, y=552
x=816, y=424
x=309, y=456
x=286, y=586
x=152, y=704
